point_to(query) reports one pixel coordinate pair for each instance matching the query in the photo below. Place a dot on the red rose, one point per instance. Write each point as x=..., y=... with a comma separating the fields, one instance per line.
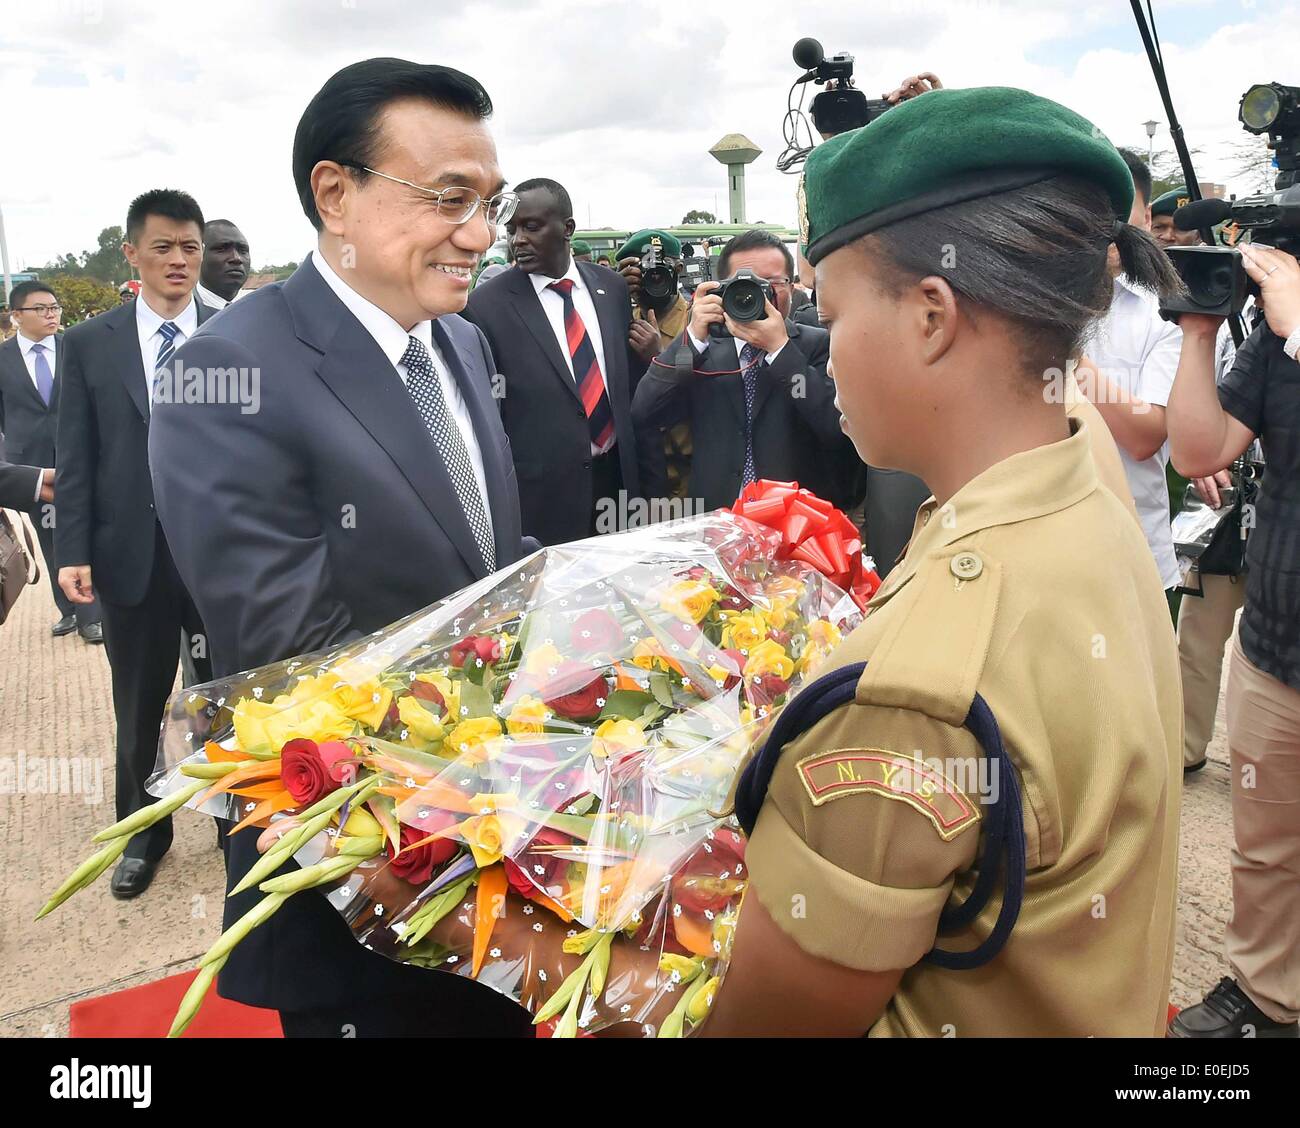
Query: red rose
x=733, y=600
x=780, y=637
x=486, y=650
x=534, y=872
x=685, y=635
x=595, y=630
x=570, y=696
x=339, y=761
x=766, y=689
x=426, y=691
x=303, y=772
x=417, y=866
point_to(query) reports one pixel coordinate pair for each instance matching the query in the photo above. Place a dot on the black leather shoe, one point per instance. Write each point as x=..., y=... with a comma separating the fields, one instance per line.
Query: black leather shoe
x=64, y=626
x=1188, y=769
x=131, y=878
x=1228, y=1012
x=93, y=633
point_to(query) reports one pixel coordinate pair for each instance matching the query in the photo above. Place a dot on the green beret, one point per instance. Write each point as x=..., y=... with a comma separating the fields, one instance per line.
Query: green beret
x=944, y=148
x=672, y=247
x=580, y=247
x=1170, y=202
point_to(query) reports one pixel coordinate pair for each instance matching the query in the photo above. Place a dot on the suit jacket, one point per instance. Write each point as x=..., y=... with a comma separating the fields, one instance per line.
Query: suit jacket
x=796, y=428
x=26, y=421
x=542, y=412
x=320, y=517
x=17, y=484
x=104, y=498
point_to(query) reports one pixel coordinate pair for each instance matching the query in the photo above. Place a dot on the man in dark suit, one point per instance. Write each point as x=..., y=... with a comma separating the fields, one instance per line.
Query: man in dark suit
x=31, y=366
x=373, y=478
x=24, y=487
x=107, y=538
x=559, y=331
x=759, y=401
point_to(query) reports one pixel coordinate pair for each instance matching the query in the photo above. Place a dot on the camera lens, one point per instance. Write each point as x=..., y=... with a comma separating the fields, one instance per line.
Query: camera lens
x=743, y=301
x=1212, y=285
x=658, y=282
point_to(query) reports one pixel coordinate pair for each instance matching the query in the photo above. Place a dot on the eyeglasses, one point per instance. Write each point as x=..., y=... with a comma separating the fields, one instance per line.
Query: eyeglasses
x=41, y=309
x=455, y=205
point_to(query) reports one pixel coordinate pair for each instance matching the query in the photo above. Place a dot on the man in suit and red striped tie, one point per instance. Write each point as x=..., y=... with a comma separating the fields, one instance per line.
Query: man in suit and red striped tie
x=559, y=331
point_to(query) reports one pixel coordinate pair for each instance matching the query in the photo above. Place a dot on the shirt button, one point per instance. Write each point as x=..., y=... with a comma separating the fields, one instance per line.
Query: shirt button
x=966, y=565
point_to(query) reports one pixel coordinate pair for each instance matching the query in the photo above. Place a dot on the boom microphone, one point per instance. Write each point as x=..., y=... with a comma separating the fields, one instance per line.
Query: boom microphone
x=1201, y=214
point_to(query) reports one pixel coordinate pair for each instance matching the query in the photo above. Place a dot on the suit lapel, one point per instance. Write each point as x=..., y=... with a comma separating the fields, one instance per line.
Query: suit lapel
x=17, y=377
x=123, y=353
x=721, y=356
x=766, y=381
x=529, y=308
x=356, y=370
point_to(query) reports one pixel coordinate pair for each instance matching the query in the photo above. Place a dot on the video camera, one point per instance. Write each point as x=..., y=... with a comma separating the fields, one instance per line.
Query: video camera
x=744, y=298
x=1216, y=278
x=658, y=277
x=839, y=107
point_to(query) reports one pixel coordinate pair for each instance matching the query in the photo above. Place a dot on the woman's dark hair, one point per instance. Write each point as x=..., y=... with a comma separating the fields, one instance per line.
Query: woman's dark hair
x=341, y=122
x=1035, y=255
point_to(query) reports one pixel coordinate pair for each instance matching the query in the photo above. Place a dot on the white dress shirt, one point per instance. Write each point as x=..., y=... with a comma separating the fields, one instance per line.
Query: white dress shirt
x=553, y=307
x=1137, y=350
x=209, y=299
x=702, y=346
x=392, y=341
x=147, y=324
x=29, y=357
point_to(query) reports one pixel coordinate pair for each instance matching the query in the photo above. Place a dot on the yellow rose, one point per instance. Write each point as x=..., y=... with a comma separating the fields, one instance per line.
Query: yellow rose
x=309, y=712
x=528, y=716
x=768, y=658
x=474, y=739
x=618, y=734
x=251, y=717
x=449, y=690
x=689, y=600
x=780, y=613
x=485, y=837
x=361, y=823
x=649, y=654
x=743, y=629
x=420, y=721
x=367, y=702
x=542, y=659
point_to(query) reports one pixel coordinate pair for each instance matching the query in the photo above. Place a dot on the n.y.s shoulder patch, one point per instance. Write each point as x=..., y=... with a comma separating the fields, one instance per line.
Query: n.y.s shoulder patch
x=891, y=775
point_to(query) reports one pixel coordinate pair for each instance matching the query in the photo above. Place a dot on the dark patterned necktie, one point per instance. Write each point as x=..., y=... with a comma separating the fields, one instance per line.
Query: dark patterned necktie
x=169, y=331
x=750, y=359
x=426, y=389
x=586, y=372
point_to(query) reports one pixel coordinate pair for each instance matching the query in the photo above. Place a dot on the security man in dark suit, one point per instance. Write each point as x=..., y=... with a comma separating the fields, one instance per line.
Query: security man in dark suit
x=107, y=539
x=31, y=364
x=560, y=333
x=24, y=487
x=759, y=401
x=373, y=479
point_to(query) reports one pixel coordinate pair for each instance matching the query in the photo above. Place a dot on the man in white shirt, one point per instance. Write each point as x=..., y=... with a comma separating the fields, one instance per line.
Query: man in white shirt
x=226, y=263
x=1127, y=370
x=31, y=364
x=108, y=540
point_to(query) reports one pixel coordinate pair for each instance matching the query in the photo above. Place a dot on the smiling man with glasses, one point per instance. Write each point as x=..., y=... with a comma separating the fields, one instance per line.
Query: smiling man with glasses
x=370, y=478
x=31, y=366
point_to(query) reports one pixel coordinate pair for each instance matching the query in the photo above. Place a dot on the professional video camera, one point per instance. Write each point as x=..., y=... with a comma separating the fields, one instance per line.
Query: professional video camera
x=744, y=298
x=1216, y=279
x=839, y=107
x=658, y=277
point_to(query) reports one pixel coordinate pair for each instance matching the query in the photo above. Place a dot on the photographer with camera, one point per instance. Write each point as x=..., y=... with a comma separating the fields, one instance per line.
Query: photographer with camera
x=1210, y=428
x=755, y=391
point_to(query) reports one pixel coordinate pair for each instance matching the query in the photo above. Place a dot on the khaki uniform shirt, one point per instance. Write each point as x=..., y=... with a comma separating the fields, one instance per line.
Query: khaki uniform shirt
x=671, y=323
x=677, y=438
x=1031, y=588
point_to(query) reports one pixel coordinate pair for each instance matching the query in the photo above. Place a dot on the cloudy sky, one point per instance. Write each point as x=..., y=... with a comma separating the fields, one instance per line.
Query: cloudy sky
x=620, y=102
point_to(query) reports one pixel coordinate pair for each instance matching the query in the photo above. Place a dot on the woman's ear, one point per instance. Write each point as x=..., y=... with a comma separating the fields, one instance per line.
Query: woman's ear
x=936, y=318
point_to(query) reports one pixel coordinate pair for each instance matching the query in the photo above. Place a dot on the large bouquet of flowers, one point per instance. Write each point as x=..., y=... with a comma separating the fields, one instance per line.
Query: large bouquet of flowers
x=525, y=782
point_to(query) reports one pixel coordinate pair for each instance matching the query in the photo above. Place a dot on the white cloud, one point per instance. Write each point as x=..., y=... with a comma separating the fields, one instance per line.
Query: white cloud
x=619, y=102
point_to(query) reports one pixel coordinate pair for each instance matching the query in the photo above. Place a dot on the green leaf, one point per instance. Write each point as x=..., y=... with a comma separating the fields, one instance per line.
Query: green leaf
x=475, y=701
x=626, y=703
x=662, y=688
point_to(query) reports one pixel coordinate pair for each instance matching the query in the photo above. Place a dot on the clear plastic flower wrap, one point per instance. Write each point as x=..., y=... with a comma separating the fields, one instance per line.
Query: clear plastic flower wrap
x=524, y=782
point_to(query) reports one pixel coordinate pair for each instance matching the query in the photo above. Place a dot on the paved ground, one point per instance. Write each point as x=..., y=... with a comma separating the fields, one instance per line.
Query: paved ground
x=56, y=789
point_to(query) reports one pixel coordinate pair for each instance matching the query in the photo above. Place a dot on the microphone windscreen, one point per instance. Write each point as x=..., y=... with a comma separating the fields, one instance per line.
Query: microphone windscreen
x=1201, y=213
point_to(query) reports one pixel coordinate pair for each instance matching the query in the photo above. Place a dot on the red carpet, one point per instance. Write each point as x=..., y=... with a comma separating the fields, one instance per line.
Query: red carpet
x=147, y=1012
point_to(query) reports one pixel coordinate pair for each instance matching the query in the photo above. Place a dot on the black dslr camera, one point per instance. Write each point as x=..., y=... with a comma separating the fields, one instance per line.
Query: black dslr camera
x=839, y=107
x=658, y=278
x=744, y=298
x=1216, y=278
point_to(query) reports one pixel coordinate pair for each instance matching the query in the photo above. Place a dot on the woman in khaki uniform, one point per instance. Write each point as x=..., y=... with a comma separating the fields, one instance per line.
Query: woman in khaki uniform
x=1006, y=734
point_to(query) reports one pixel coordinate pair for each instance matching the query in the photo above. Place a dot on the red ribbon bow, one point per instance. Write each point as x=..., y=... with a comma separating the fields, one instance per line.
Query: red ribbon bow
x=813, y=531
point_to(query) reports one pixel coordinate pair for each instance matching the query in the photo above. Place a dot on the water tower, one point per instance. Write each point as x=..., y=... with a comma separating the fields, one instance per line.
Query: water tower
x=736, y=151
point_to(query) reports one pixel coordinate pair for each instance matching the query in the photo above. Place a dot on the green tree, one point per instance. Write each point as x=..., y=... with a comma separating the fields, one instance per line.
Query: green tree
x=106, y=262
x=81, y=297
x=1253, y=168
x=699, y=217
x=1167, y=172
